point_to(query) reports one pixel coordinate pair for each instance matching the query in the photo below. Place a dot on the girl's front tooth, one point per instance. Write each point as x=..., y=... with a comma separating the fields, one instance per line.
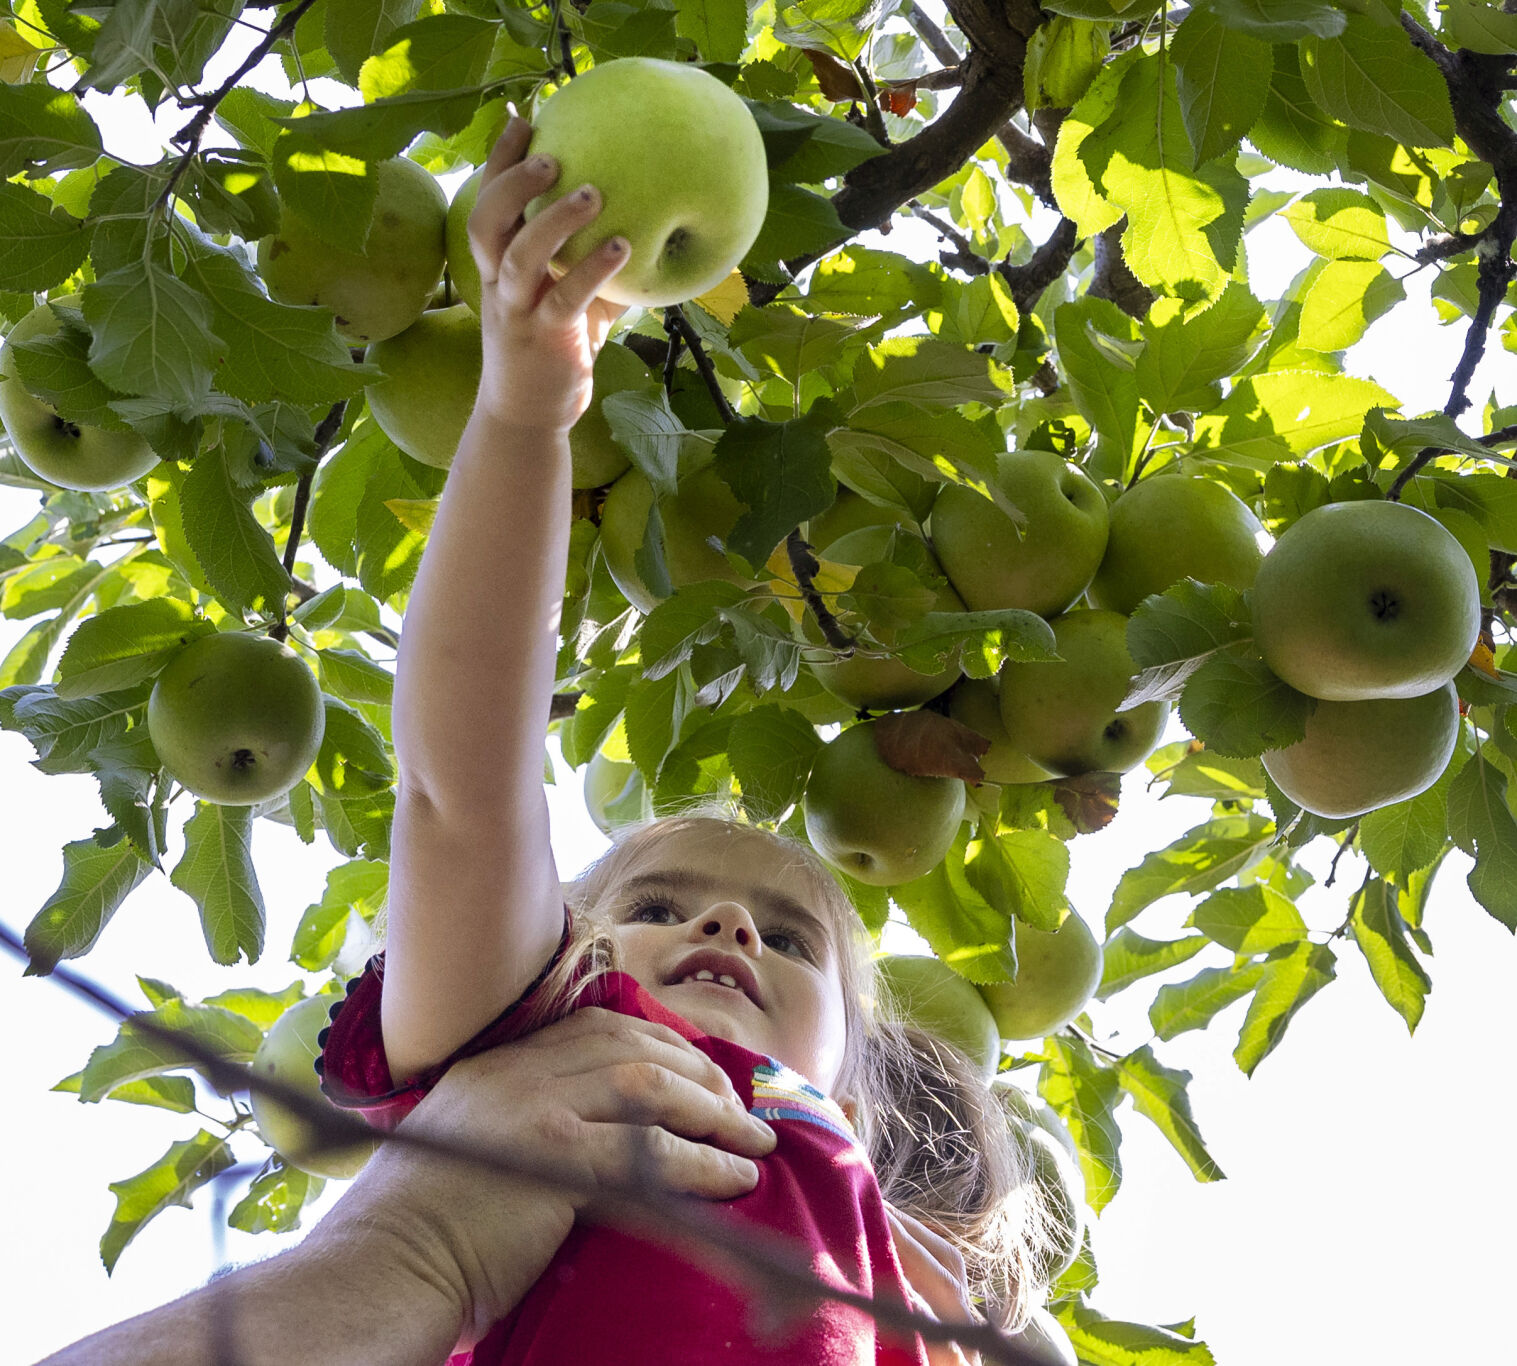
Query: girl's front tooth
x=727, y=981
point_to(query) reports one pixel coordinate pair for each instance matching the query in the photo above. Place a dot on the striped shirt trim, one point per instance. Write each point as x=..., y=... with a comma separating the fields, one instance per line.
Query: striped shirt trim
x=780, y=1092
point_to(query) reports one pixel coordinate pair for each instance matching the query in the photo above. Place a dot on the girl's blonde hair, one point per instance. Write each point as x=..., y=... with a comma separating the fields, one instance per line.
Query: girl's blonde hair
x=941, y=1144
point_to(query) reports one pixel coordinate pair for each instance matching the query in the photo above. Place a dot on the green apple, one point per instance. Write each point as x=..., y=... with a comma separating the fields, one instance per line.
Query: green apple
x=1055, y=1163
x=614, y=792
x=1035, y=1111
x=703, y=506
x=976, y=703
x=1366, y=599
x=236, y=718
x=288, y=1056
x=1064, y=715
x=850, y=511
x=431, y=379
x=1172, y=527
x=1359, y=756
x=593, y=451
x=382, y=289
x=878, y=825
x=929, y=994
x=1042, y=566
x=69, y=454
x=1044, y=1337
x=1057, y=973
x=463, y=270
x=681, y=170
x=881, y=683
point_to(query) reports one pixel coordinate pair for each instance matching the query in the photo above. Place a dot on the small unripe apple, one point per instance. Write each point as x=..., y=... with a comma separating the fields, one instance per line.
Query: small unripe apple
x=681, y=170
x=976, y=703
x=463, y=270
x=236, y=718
x=288, y=1055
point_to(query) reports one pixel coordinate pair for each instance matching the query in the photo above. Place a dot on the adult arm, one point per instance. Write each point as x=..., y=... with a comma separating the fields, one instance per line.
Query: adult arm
x=425, y=1251
x=474, y=902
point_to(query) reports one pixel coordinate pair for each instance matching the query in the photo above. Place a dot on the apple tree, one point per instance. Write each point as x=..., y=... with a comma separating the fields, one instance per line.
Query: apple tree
x=1086, y=175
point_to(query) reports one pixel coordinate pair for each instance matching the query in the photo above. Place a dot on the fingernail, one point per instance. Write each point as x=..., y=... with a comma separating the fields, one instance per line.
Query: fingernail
x=616, y=246
x=585, y=194
x=540, y=164
x=763, y=1129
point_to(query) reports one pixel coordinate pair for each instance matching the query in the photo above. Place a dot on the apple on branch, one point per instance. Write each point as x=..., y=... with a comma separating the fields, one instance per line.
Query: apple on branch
x=1172, y=527
x=432, y=372
x=1042, y=565
x=680, y=166
x=1364, y=600
x=875, y=823
x=382, y=289
x=1057, y=973
x=236, y=718
x=72, y=455
x=930, y=995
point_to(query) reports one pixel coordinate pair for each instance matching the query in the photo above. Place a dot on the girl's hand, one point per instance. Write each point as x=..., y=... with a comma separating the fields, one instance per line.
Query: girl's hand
x=594, y=1100
x=541, y=334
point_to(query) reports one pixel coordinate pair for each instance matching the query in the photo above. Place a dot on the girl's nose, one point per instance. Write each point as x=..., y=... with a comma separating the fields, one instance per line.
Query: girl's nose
x=731, y=921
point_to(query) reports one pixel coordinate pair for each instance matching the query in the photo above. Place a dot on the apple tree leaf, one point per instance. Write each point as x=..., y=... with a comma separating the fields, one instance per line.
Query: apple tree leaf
x=1200, y=773
x=1234, y=705
x=355, y=28
x=358, y=826
x=358, y=887
x=275, y=1200
x=1113, y=1342
x=1223, y=76
x=781, y=472
x=353, y=760
x=1201, y=859
x=1372, y=77
x=1195, y=1003
x=655, y=715
x=1084, y=1095
x=1172, y=634
x=1304, y=409
x=151, y=333
x=388, y=552
x=1481, y=823
x=924, y=372
x=1290, y=492
x=1407, y=836
x=1281, y=21
x=1184, y=357
x=864, y=282
x=272, y=350
x=44, y=129
x=132, y=793
x=56, y=369
x=1104, y=391
x=927, y=744
x=1023, y=873
x=1249, y=920
x=261, y=1007
x=123, y=646
x=798, y=222
x=229, y=544
x=1159, y=1094
x=45, y=245
x=1340, y=225
x=962, y=927
x=718, y=28
x=144, y=1046
x=1344, y=299
x=162, y=1093
x=1382, y=937
x=217, y=873
x=1291, y=978
x=771, y=750
x=171, y=1180
x=66, y=732
x=1129, y=957
x=95, y=882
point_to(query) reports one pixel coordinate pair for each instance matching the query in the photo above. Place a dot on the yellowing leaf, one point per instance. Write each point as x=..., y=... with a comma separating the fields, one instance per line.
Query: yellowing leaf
x=725, y=301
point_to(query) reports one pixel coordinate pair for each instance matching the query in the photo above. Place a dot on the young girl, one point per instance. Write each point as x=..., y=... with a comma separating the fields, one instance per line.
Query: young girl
x=738, y=941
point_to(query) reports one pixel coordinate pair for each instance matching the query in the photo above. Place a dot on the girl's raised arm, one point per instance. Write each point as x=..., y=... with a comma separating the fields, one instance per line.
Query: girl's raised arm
x=475, y=910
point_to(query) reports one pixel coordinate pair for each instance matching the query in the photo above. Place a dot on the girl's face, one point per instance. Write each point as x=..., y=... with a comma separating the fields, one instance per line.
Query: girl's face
x=709, y=902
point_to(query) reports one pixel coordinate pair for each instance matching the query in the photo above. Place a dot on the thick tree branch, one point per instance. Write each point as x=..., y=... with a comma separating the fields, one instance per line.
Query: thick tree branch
x=1026, y=281
x=1111, y=279
x=991, y=93
x=1028, y=161
x=934, y=37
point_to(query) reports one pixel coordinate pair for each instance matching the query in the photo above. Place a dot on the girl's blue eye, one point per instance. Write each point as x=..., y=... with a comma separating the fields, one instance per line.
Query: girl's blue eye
x=791, y=944
x=651, y=913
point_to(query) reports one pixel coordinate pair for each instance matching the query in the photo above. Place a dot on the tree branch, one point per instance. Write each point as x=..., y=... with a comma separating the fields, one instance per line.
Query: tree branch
x=1111, y=278
x=934, y=37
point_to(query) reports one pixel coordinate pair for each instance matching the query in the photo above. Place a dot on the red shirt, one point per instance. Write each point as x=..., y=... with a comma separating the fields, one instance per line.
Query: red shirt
x=612, y=1296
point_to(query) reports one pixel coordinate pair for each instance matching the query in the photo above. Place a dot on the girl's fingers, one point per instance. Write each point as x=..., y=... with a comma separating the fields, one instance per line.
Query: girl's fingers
x=508, y=185
x=525, y=262
x=574, y=294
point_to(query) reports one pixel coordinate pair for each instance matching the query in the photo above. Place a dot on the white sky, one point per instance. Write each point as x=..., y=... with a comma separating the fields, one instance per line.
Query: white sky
x=1364, y=1218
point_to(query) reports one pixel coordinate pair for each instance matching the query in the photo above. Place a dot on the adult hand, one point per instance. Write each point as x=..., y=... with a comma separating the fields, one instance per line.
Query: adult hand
x=578, y=1107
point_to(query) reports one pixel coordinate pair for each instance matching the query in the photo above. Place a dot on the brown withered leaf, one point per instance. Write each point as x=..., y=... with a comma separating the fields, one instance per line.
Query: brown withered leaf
x=899, y=100
x=1089, y=800
x=926, y=744
x=839, y=82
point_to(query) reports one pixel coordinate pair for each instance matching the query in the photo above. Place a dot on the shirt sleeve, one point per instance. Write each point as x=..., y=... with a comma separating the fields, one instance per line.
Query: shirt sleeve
x=352, y=1065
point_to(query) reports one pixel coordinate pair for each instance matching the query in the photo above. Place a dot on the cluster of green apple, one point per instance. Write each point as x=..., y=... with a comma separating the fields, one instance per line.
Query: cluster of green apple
x=1370, y=607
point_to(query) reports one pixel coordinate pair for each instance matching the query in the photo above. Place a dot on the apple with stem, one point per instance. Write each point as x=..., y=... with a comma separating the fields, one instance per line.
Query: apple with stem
x=236, y=718
x=680, y=166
